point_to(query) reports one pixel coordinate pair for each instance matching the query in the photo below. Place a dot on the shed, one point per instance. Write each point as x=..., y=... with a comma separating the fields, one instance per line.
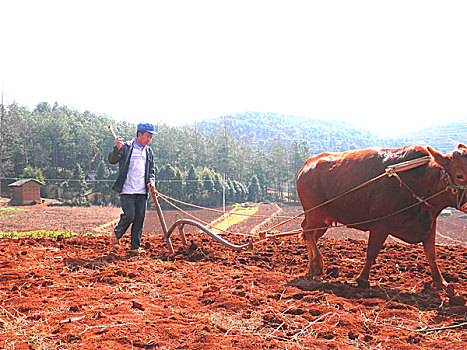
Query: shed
x=26, y=191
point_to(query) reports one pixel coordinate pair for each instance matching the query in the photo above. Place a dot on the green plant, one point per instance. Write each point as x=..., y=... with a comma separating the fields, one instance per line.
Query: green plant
x=37, y=234
x=7, y=212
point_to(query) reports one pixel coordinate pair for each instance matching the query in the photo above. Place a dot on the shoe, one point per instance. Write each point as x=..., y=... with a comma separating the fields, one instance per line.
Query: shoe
x=115, y=241
x=137, y=251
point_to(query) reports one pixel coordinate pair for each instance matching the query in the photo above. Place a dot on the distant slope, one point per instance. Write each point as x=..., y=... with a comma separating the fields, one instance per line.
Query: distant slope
x=265, y=129
x=443, y=138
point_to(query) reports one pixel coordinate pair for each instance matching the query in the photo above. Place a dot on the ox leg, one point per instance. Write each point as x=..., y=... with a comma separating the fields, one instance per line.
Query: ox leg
x=315, y=259
x=429, y=247
x=375, y=242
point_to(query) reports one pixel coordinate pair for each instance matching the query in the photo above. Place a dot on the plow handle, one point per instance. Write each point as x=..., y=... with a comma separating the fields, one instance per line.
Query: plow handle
x=162, y=220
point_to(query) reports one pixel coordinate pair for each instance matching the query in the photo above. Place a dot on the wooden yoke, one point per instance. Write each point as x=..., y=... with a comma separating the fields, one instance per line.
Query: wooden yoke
x=410, y=164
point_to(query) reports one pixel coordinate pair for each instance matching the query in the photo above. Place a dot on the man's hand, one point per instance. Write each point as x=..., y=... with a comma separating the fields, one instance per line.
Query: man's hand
x=119, y=142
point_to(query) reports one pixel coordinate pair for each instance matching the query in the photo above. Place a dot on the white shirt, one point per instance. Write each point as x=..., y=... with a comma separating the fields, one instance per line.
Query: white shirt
x=135, y=179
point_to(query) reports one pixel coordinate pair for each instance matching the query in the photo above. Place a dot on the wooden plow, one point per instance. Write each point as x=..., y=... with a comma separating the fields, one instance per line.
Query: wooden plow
x=181, y=223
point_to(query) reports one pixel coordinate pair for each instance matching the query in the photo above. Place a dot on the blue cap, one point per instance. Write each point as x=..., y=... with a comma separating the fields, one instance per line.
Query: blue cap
x=146, y=128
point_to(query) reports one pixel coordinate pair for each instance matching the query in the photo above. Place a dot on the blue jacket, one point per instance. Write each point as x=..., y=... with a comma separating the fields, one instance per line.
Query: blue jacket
x=122, y=157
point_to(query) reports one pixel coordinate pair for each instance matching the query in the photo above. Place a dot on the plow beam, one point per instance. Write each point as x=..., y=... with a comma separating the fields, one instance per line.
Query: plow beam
x=182, y=222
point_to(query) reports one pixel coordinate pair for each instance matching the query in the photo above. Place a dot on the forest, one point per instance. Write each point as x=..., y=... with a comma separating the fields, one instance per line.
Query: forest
x=230, y=159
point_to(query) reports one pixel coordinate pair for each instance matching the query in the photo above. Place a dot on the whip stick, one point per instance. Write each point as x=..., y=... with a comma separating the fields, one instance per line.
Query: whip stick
x=112, y=131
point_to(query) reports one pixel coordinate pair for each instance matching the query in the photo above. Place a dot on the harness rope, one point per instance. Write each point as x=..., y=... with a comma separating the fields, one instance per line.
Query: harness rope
x=328, y=201
x=265, y=236
x=391, y=170
x=163, y=197
x=168, y=198
x=455, y=189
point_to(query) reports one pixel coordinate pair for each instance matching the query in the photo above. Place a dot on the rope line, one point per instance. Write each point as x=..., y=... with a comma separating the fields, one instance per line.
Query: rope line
x=166, y=197
x=382, y=217
x=389, y=171
x=202, y=221
x=263, y=235
x=329, y=201
x=289, y=219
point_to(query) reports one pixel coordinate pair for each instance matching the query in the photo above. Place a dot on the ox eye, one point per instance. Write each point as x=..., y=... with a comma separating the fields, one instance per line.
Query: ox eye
x=460, y=177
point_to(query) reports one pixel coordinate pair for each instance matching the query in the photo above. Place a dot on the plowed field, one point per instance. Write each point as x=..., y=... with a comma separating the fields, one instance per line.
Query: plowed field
x=82, y=293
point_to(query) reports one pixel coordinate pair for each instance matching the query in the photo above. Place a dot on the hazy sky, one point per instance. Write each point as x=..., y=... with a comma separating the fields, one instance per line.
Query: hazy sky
x=392, y=66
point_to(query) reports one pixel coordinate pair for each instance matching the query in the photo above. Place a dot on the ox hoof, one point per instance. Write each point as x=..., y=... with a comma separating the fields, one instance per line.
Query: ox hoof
x=444, y=286
x=451, y=289
x=363, y=283
x=312, y=278
x=317, y=272
x=456, y=300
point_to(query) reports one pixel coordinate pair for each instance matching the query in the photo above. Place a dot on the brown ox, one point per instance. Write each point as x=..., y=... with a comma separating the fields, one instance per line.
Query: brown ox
x=405, y=206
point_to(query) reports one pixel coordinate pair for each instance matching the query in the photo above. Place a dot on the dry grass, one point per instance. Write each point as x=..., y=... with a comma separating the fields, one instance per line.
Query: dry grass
x=32, y=329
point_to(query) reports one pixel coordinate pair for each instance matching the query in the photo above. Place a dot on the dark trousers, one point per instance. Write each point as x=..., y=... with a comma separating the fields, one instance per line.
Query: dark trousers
x=134, y=211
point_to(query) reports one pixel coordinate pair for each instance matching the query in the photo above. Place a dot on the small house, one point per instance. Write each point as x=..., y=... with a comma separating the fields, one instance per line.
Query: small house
x=26, y=191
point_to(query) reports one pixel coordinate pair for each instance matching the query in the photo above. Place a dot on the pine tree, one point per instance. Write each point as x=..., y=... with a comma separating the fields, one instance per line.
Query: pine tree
x=230, y=192
x=298, y=155
x=177, y=185
x=170, y=178
x=102, y=186
x=192, y=186
x=253, y=189
x=219, y=189
x=78, y=185
x=208, y=187
x=32, y=173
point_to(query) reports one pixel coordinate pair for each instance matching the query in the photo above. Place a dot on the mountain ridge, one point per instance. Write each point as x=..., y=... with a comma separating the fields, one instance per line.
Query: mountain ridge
x=266, y=129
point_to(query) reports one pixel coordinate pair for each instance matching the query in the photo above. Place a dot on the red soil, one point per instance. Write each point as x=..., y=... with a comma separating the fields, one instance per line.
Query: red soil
x=81, y=293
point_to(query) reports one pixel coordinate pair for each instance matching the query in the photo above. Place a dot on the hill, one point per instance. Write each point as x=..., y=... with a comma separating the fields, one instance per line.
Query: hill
x=265, y=129
x=444, y=138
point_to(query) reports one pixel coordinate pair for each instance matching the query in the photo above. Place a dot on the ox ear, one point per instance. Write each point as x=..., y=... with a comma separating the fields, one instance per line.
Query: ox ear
x=439, y=158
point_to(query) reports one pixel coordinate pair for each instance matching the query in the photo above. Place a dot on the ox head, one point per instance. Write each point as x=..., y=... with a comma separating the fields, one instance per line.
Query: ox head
x=456, y=166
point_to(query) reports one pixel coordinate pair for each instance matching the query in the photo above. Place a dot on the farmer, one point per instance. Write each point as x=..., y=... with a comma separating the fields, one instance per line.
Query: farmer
x=136, y=176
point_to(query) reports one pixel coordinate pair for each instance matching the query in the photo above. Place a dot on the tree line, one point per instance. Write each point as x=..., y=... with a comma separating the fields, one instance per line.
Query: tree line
x=68, y=150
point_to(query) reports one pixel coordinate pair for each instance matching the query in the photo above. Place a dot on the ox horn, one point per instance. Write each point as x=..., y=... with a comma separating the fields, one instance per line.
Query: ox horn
x=459, y=150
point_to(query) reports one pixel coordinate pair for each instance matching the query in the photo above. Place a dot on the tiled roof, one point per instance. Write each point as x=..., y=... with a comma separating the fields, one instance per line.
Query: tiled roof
x=21, y=182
